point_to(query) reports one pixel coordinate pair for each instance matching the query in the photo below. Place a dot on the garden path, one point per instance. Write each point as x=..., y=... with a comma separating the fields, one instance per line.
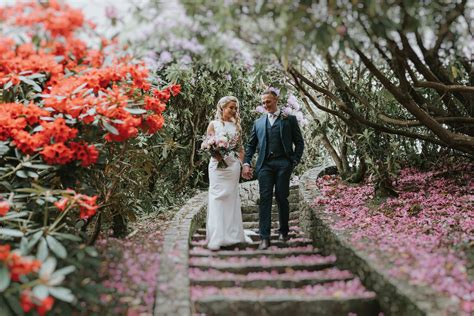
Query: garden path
x=292, y=277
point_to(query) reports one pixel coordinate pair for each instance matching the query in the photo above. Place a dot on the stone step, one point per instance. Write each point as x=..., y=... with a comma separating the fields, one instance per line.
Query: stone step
x=294, y=207
x=295, y=229
x=255, y=216
x=295, y=242
x=256, y=237
x=280, y=283
x=275, y=225
x=272, y=252
x=332, y=298
x=286, y=305
x=293, y=279
x=242, y=265
x=292, y=198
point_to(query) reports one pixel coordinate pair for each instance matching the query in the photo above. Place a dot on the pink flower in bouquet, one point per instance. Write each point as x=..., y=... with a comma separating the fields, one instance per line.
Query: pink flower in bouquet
x=222, y=146
x=223, y=142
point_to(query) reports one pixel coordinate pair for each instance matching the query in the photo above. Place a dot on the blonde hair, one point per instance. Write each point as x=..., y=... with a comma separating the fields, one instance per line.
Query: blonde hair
x=223, y=102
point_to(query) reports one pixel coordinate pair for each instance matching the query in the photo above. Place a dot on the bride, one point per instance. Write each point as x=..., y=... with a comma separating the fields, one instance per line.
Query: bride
x=224, y=219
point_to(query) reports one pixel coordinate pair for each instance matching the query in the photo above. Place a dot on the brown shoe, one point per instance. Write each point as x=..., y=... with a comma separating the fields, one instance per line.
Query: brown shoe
x=264, y=244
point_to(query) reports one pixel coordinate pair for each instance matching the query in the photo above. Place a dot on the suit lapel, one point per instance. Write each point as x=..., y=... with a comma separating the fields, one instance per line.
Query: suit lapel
x=263, y=126
x=281, y=126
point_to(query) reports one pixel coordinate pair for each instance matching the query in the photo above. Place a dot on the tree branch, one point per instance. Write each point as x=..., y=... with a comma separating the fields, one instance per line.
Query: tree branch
x=443, y=87
x=443, y=29
x=360, y=118
x=411, y=123
x=459, y=141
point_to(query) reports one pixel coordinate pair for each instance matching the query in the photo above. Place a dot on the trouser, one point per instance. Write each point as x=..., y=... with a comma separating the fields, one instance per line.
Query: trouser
x=275, y=173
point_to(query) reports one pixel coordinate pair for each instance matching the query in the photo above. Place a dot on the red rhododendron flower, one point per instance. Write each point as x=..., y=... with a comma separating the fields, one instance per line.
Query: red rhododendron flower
x=26, y=302
x=61, y=204
x=87, y=205
x=154, y=123
x=45, y=306
x=4, y=208
x=57, y=154
x=19, y=266
x=164, y=95
x=88, y=155
x=175, y=89
x=58, y=130
x=4, y=252
x=154, y=104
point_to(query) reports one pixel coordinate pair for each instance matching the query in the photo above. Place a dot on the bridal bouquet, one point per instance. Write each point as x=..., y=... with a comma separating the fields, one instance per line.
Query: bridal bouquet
x=223, y=145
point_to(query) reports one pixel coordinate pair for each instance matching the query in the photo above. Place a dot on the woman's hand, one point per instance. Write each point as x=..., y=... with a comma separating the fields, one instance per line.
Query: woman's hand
x=217, y=157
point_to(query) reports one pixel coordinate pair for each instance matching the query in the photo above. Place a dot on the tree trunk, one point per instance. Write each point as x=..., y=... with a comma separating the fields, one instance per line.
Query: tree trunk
x=119, y=225
x=332, y=152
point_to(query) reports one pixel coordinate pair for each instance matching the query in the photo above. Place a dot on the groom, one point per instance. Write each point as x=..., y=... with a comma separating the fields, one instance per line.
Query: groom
x=274, y=135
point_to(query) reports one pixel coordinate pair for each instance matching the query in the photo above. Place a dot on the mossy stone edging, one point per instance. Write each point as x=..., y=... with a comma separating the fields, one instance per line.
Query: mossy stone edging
x=173, y=286
x=172, y=295
x=396, y=297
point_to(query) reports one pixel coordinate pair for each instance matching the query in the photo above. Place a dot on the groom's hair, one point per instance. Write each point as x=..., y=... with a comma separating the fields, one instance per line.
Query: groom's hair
x=270, y=91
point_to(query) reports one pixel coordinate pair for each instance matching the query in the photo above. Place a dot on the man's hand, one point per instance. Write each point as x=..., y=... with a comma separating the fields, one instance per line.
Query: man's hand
x=247, y=172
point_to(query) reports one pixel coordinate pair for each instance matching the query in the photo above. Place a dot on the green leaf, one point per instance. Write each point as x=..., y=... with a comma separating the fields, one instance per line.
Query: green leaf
x=110, y=128
x=41, y=292
x=4, y=278
x=24, y=246
x=21, y=174
x=13, y=215
x=79, y=88
x=40, y=166
x=62, y=294
x=65, y=270
x=55, y=246
x=36, y=76
x=91, y=251
x=71, y=237
x=47, y=268
x=8, y=85
x=30, y=82
x=42, y=253
x=32, y=174
x=135, y=111
x=34, y=239
x=11, y=232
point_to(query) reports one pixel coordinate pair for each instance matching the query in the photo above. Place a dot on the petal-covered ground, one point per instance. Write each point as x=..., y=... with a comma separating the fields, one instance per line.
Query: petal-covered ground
x=426, y=234
x=330, y=273
x=338, y=289
x=132, y=265
x=264, y=261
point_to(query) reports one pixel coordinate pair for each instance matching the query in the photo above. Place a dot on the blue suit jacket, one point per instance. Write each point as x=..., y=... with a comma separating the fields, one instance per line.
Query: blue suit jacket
x=290, y=134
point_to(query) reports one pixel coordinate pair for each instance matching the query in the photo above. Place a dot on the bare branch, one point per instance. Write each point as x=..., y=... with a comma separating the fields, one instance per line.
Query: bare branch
x=411, y=123
x=443, y=29
x=443, y=87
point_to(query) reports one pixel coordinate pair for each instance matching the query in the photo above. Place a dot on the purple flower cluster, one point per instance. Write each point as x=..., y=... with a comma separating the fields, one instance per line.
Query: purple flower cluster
x=292, y=107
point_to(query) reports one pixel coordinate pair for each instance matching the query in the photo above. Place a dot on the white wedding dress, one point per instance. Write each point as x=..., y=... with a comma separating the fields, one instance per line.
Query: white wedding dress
x=224, y=218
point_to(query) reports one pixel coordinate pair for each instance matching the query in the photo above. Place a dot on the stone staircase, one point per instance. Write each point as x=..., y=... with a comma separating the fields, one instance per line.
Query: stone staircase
x=292, y=277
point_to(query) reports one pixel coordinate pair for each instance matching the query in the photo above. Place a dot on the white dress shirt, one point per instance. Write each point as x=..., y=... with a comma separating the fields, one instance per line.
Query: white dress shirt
x=272, y=117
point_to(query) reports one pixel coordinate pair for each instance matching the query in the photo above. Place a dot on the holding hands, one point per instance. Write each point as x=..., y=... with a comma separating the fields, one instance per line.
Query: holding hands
x=247, y=172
